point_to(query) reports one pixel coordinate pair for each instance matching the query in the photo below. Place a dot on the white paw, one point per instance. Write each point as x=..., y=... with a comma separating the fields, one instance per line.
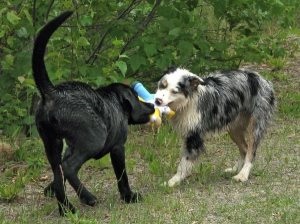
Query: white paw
x=230, y=170
x=164, y=184
x=174, y=181
x=240, y=177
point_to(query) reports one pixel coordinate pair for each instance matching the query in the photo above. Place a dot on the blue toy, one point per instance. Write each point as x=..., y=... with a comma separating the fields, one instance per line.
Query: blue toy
x=144, y=95
x=142, y=92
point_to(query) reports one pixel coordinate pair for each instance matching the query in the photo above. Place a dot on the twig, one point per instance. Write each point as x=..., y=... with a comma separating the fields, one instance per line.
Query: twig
x=93, y=56
x=34, y=17
x=124, y=13
x=48, y=10
x=76, y=7
x=129, y=8
x=142, y=26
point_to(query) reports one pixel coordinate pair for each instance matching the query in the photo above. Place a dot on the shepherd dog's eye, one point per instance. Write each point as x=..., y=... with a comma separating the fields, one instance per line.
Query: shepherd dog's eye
x=174, y=91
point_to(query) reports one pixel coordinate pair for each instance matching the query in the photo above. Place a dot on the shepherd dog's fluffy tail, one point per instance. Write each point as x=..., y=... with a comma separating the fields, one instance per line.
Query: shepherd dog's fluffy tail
x=40, y=74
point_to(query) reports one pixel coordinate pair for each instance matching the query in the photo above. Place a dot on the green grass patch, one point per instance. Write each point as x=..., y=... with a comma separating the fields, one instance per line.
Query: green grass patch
x=290, y=104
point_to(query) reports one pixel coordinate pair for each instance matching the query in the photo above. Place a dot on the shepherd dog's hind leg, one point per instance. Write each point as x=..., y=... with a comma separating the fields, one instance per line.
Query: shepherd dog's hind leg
x=238, y=133
x=254, y=136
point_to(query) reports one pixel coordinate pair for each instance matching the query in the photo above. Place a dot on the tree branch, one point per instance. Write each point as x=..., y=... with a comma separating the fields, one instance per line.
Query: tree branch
x=34, y=17
x=142, y=26
x=129, y=8
x=123, y=14
x=93, y=56
x=48, y=10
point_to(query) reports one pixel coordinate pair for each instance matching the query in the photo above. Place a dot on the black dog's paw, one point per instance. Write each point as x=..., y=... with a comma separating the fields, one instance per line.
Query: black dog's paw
x=49, y=191
x=88, y=199
x=132, y=198
x=65, y=209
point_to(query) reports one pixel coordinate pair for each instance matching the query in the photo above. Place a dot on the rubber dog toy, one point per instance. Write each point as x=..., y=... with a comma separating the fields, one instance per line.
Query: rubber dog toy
x=144, y=95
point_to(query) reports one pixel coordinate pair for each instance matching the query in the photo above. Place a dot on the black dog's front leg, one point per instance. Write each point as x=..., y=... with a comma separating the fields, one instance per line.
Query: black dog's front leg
x=117, y=156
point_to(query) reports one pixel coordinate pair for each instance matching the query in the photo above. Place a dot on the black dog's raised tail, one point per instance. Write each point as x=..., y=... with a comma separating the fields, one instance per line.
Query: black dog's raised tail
x=40, y=74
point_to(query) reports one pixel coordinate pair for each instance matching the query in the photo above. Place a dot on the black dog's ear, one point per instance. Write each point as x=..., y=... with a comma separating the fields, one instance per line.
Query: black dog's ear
x=130, y=103
x=139, y=112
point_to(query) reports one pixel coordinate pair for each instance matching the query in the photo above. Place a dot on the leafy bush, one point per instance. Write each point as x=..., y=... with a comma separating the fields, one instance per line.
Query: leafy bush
x=108, y=41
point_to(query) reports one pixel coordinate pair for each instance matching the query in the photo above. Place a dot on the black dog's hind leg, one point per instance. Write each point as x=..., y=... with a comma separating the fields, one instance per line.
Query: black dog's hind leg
x=49, y=190
x=117, y=156
x=53, y=148
x=71, y=166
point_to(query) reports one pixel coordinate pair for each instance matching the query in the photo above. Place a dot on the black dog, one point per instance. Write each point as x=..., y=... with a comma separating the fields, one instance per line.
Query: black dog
x=92, y=122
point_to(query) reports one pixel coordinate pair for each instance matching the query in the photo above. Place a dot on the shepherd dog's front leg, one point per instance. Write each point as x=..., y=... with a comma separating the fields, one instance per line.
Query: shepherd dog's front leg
x=192, y=148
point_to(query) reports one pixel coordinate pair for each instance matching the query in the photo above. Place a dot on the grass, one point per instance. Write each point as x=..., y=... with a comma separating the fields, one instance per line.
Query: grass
x=209, y=196
x=272, y=194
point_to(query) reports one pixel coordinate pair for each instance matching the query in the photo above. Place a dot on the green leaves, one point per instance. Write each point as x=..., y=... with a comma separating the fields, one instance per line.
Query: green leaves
x=86, y=20
x=136, y=61
x=83, y=42
x=185, y=48
x=150, y=49
x=8, y=61
x=122, y=66
x=13, y=18
x=175, y=32
x=22, y=32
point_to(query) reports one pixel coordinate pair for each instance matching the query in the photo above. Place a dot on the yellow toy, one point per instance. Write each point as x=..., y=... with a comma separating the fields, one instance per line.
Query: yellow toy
x=144, y=95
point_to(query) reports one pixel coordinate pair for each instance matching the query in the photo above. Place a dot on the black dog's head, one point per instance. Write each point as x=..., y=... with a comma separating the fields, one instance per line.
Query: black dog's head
x=138, y=112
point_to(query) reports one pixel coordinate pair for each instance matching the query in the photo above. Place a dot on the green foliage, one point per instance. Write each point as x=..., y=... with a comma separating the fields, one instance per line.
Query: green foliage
x=109, y=41
x=9, y=190
x=28, y=162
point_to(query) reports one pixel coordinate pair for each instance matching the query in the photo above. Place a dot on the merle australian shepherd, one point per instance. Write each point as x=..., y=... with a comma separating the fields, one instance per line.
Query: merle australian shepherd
x=93, y=123
x=240, y=101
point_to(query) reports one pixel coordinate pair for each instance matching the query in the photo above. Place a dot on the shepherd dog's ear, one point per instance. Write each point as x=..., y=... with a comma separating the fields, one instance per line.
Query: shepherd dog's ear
x=191, y=83
x=194, y=82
